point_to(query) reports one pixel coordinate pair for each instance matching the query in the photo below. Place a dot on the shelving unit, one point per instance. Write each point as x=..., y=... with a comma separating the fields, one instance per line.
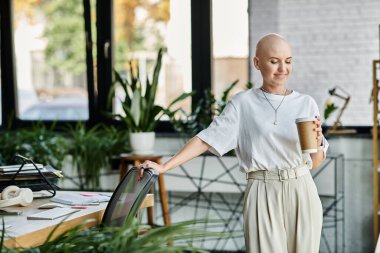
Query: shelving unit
x=375, y=148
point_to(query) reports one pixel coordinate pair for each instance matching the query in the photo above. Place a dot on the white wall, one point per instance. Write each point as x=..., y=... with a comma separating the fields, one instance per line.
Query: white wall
x=334, y=43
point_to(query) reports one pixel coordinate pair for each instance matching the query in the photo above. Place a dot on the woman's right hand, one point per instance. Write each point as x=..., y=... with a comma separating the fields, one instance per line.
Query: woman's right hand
x=193, y=148
x=149, y=164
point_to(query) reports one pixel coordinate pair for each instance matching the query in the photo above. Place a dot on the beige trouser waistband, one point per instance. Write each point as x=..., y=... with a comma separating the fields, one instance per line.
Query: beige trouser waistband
x=280, y=174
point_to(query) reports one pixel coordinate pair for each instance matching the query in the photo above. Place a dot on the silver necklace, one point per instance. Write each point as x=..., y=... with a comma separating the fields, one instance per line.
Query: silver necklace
x=275, y=109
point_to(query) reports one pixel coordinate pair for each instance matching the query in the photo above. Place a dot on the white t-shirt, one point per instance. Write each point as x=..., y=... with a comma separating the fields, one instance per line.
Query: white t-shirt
x=246, y=125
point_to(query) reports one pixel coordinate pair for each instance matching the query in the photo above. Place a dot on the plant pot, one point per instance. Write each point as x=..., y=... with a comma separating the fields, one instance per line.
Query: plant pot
x=142, y=143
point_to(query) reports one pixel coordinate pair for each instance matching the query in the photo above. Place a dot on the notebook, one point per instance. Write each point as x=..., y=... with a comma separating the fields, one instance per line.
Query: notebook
x=75, y=199
x=5, y=226
x=52, y=214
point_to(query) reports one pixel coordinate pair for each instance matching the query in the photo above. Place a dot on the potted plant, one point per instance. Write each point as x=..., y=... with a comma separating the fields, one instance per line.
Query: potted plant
x=141, y=113
x=92, y=150
x=39, y=143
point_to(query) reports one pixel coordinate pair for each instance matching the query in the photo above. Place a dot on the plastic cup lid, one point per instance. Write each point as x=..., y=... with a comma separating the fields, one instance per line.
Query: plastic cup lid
x=305, y=119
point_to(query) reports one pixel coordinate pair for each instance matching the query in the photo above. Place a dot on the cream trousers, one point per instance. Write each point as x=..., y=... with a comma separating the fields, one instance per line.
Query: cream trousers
x=282, y=213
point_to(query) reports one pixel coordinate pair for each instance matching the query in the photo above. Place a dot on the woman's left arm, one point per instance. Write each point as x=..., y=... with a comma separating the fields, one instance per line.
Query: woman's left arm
x=318, y=157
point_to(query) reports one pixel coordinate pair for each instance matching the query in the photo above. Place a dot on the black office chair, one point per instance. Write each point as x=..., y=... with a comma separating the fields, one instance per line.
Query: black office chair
x=128, y=196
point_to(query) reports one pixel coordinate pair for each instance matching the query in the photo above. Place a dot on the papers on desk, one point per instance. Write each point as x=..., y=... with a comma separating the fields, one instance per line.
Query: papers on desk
x=28, y=172
x=29, y=177
x=51, y=214
x=75, y=199
x=5, y=226
x=16, y=167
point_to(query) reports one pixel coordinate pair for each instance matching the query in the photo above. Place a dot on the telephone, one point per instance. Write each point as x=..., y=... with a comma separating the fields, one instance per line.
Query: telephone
x=13, y=195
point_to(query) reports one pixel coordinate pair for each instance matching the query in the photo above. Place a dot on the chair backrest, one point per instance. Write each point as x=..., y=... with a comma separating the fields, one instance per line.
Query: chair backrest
x=128, y=196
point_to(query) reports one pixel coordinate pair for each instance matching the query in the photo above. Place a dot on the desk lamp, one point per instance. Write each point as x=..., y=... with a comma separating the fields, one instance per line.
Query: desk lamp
x=340, y=93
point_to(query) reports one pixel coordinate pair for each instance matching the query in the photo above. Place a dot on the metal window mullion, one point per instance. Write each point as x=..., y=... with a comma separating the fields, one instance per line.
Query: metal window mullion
x=92, y=99
x=8, y=70
x=104, y=54
x=201, y=47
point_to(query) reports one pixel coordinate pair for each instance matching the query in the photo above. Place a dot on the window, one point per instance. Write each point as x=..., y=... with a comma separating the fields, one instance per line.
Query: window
x=140, y=29
x=50, y=60
x=1, y=83
x=230, y=45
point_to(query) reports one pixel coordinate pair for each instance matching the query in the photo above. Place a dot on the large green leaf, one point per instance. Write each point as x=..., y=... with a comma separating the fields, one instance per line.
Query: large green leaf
x=156, y=75
x=154, y=116
x=148, y=88
x=134, y=79
x=129, y=119
x=123, y=82
x=135, y=107
x=144, y=114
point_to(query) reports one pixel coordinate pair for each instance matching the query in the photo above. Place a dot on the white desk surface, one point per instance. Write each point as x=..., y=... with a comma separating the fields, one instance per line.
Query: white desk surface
x=31, y=233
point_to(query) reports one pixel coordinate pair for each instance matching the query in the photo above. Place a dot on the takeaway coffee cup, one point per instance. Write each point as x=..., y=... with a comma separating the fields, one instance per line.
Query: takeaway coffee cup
x=308, y=137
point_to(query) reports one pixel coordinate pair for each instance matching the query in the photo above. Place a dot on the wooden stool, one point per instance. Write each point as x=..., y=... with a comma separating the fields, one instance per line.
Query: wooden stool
x=135, y=160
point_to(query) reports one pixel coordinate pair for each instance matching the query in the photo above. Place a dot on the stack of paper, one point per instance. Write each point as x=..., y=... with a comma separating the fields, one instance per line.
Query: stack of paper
x=75, y=199
x=16, y=167
x=29, y=176
x=28, y=172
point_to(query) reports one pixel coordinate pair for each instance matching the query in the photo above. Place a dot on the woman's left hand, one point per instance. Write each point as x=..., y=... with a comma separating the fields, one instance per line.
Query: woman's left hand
x=318, y=129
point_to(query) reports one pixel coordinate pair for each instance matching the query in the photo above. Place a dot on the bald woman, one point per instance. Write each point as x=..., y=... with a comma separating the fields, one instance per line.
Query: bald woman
x=282, y=209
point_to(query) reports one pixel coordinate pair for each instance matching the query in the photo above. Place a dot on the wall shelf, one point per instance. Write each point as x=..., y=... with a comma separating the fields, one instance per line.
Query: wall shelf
x=375, y=149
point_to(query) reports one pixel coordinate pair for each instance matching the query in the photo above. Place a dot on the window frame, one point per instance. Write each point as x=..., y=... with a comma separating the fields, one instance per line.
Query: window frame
x=8, y=70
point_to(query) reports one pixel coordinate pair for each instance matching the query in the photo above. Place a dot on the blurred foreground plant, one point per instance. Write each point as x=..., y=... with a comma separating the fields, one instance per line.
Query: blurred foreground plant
x=171, y=238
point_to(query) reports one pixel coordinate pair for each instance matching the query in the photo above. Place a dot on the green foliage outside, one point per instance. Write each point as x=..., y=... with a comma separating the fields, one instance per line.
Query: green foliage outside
x=64, y=32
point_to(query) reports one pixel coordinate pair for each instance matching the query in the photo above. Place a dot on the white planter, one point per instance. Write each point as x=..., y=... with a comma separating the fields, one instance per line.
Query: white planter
x=142, y=143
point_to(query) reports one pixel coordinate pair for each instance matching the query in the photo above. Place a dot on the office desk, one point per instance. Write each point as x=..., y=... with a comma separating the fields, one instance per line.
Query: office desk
x=32, y=233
